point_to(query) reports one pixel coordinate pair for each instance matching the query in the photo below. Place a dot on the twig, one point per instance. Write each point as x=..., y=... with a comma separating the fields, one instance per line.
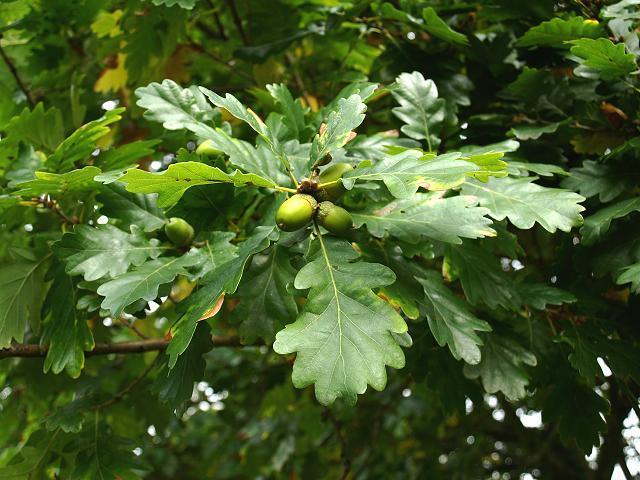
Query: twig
x=229, y=64
x=346, y=462
x=216, y=17
x=238, y=21
x=16, y=76
x=297, y=78
x=122, y=393
x=138, y=346
x=223, y=34
x=133, y=328
x=52, y=205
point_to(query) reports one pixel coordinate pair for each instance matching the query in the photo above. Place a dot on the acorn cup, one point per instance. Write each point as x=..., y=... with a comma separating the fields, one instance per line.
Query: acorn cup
x=334, y=218
x=296, y=212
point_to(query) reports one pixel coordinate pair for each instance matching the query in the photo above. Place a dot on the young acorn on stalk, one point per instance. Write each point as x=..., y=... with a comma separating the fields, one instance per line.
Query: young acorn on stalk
x=179, y=232
x=297, y=211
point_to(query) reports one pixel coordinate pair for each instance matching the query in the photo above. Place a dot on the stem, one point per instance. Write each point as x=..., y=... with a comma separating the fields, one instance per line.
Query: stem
x=237, y=21
x=19, y=350
x=16, y=76
x=287, y=189
x=341, y=440
x=52, y=205
x=322, y=185
x=122, y=393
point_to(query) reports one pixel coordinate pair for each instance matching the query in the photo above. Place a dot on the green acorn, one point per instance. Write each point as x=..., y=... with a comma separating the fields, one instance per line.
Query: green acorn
x=334, y=218
x=207, y=148
x=178, y=231
x=333, y=173
x=295, y=212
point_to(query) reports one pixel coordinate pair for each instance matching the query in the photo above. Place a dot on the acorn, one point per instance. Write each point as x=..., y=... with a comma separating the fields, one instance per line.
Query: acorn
x=178, y=231
x=334, y=218
x=207, y=148
x=333, y=173
x=295, y=212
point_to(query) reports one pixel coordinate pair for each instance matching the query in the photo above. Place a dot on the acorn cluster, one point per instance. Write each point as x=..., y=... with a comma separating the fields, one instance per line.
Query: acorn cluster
x=315, y=202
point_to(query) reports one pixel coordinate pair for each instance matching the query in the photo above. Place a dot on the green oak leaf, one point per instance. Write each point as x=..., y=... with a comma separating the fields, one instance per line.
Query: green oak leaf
x=97, y=252
x=587, y=345
x=174, y=386
x=524, y=203
x=482, y=277
x=450, y=319
x=489, y=164
x=175, y=107
x=597, y=225
x=38, y=127
x=427, y=215
x=70, y=417
x=77, y=148
x=527, y=131
x=502, y=367
x=132, y=208
x=522, y=169
x=339, y=125
x=171, y=184
x=577, y=410
x=21, y=294
x=100, y=454
x=344, y=336
x=232, y=105
x=266, y=304
x=59, y=184
x=603, y=58
x=420, y=109
x=594, y=178
x=558, y=31
x=630, y=274
x=222, y=279
x=32, y=459
x=439, y=28
x=143, y=282
x=186, y=4
x=405, y=293
x=291, y=109
x=216, y=251
x=409, y=170
x=65, y=330
x=259, y=160
x=539, y=295
x=125, y=155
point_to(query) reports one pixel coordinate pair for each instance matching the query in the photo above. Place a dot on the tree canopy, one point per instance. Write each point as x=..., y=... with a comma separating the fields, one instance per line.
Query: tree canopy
x=319, y=239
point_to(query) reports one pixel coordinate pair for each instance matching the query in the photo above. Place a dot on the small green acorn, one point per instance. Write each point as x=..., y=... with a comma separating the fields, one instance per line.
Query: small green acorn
x=207, y=148
x=295, y=212
x=333, y=173
x=334, y=218
x=178, y=231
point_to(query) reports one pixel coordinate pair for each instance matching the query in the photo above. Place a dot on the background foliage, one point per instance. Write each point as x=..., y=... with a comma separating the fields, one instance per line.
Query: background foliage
x=495, y=264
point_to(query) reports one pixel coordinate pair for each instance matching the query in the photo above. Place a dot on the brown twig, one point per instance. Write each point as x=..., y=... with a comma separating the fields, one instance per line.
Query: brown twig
x=346, y=462
x=131, y=325
x=16, y=76
x=298, y=79
x=138, y=346
x=229, y=64
x=238, y=21
x=122, y=393
x=47, y=202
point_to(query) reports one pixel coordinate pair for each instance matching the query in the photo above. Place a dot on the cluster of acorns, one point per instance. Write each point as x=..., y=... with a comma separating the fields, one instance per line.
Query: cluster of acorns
x=314, y=202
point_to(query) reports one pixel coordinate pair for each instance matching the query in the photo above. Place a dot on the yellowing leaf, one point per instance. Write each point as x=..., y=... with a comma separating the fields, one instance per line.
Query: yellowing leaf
x=113, y=79
x=107, y=24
